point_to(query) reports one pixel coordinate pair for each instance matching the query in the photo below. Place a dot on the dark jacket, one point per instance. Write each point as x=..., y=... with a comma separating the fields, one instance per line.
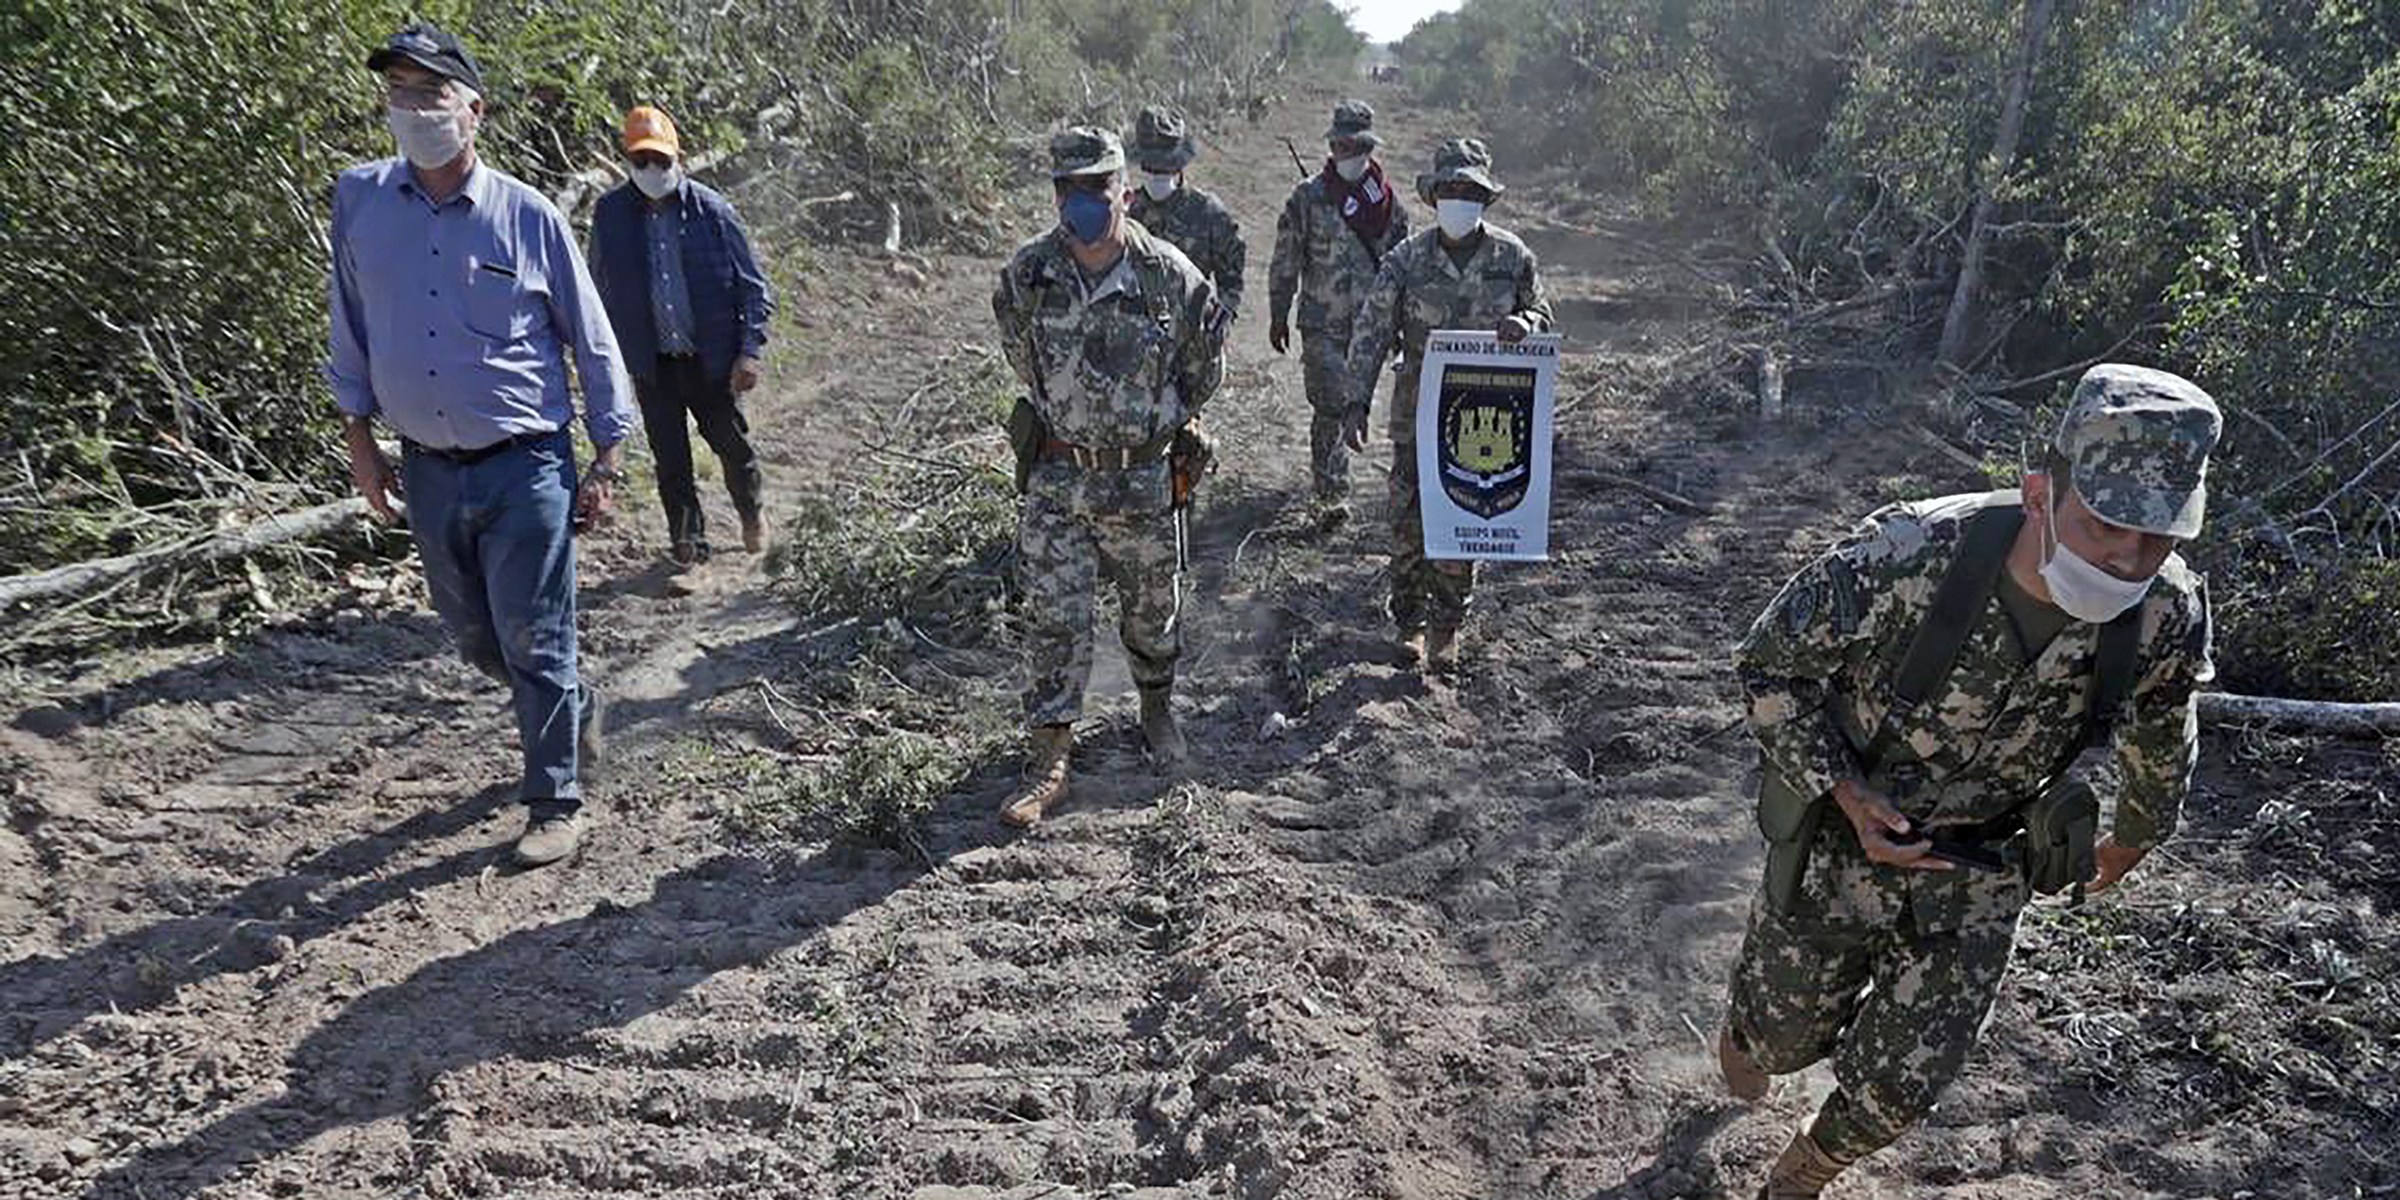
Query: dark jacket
x=730, y=301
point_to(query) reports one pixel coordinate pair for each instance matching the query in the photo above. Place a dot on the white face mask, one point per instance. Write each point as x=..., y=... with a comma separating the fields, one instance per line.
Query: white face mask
x=1160, y=186
x=2083, y=590
x=1351, y=169
x=656, y=182
x=430, y=140
x=1458, y=217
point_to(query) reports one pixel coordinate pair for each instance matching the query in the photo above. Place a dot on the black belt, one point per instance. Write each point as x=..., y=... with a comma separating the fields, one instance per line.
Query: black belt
x=468, y=458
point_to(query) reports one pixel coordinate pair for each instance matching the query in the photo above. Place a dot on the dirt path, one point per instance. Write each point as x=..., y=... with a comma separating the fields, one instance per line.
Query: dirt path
x=1425, y=941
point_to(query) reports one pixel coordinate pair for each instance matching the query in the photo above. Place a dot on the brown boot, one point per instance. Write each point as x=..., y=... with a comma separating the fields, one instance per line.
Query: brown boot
x=1166, y=744
x=754, y=533
x=1743, y=1076
x=1441, y=649
x=1045, y=781
x=1801, y=1172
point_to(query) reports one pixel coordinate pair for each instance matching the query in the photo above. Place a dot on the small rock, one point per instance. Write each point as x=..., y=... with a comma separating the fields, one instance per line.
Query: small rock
x=660, y=1109
x=1275, y=726
x=79, y=1150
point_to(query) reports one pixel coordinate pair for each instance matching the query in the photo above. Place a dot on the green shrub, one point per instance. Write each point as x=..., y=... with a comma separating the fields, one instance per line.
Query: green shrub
x=165, y=168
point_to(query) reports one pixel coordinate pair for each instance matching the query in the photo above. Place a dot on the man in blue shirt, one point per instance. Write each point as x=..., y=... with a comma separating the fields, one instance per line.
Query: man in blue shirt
x=457, y=300
x=690, y=308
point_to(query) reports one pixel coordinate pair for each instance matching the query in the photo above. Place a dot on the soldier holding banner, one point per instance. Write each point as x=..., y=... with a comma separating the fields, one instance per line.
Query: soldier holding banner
x=1464, y=273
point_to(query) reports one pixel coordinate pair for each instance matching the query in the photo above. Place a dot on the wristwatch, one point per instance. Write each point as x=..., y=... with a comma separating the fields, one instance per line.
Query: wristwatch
x=610, y=475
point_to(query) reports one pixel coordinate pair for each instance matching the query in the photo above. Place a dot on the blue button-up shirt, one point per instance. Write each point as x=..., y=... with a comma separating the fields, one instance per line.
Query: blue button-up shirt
x=455, y=320
x=670, y=299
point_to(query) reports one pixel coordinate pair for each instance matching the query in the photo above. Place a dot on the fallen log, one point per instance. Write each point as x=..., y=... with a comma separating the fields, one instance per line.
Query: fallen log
x=76, y=579
x=2312, y=716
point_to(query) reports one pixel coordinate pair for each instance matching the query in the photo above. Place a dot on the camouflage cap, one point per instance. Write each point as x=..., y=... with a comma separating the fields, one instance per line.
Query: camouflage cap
x=1084, y=150
x=2136, y=442
x=1354, y=119
x=1461, y=159
x=1160, y=142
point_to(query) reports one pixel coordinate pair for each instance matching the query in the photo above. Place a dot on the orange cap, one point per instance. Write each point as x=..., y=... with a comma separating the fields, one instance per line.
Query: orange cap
x=647, y=128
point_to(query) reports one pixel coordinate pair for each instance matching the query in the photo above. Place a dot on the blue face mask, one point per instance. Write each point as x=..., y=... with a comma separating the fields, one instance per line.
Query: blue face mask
x=1086, y=215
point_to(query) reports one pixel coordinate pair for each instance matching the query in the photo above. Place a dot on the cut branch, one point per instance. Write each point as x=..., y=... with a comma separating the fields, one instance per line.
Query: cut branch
x=78, y=578
x=1627, y=482
x=2313, y=716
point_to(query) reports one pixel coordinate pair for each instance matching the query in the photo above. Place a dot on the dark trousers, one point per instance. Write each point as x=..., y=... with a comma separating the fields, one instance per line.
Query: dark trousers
x=499, y=558
x=682, y=386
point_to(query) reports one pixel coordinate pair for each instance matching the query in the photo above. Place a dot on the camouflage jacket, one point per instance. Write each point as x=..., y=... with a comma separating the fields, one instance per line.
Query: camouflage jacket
x=1322, y=261
x=1420, y=290
x=1822, y=656
x=1202, y=227
x=1118, y=363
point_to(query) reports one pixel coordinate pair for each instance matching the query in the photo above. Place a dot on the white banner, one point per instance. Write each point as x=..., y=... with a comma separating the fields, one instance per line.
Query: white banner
x=1483, y=445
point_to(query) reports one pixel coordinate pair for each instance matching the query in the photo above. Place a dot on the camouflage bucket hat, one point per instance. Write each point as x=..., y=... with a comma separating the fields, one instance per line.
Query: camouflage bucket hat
x=1160, y=142
x=1354, y=119
x=1084, y=150
x=1459, y=159
x=2137, y=443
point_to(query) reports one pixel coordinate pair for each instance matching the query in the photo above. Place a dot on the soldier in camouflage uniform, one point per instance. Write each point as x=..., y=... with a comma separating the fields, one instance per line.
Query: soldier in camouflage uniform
x=1120, y=341
x=1464, y=273
x=1168, y=206
x=1886, y=960
x=1333, y=234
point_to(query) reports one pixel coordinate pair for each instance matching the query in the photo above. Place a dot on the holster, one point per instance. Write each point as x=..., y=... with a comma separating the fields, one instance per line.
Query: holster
x=1192, y=455
x=1026, y=433
x=1789, y=821
x=2062, y=826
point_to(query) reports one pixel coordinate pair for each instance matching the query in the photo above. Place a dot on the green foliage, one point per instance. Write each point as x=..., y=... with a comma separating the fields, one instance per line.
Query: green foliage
x=875, y=790
x=164, y=169
x=2202, y=185
x=2332, y=630
x=924, y=541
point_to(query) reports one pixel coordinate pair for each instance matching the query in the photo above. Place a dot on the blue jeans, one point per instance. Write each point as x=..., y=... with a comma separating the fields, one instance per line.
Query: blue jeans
x=498, y=543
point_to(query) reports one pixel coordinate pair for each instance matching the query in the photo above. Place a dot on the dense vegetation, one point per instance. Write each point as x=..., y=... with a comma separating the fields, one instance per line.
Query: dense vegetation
x=164, y=169
x=2203, y=185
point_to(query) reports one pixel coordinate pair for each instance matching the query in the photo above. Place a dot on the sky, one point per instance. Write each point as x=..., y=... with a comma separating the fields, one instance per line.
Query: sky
x=1390, y=20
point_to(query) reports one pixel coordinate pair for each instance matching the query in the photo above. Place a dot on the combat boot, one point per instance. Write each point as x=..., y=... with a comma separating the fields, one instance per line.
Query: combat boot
x=1801, y=1172
x=1045, y=781
x=1166, y=744
x=1441, y=649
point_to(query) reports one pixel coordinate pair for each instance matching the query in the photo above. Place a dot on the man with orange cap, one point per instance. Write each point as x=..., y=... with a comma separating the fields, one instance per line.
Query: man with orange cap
x=690, y=308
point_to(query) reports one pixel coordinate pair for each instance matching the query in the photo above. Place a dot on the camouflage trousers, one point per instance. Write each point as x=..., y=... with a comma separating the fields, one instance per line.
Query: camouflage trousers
x=1424, y=591
x=1064, y=552
x=1889, y=972
x=1323, y=371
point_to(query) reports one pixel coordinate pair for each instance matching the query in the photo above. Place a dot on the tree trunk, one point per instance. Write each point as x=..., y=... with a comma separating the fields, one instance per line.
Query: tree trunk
x=77, y=579
x=2312, y=716
x=1958, y=328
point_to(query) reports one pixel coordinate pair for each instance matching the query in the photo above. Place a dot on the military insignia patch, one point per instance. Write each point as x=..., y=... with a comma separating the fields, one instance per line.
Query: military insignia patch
x=1486, y=446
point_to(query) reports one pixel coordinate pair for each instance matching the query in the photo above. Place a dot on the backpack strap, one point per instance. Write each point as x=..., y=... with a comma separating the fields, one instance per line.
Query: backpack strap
x=1958, y=602
x=2112, y=675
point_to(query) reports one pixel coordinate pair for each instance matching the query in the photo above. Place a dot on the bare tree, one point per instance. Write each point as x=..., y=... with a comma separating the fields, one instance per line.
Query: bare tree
x=1958, y=328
